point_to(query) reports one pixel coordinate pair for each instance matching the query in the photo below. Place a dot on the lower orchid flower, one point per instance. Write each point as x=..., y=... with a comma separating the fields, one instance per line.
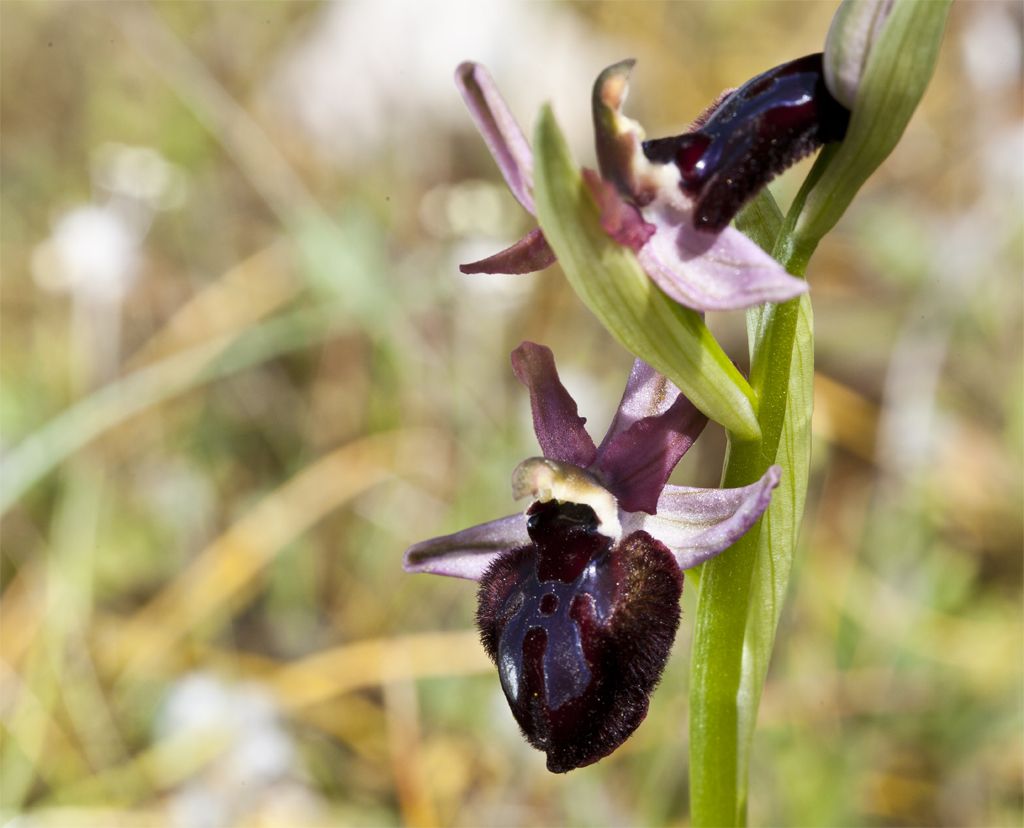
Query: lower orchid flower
x=579, y=596
x=671, y=200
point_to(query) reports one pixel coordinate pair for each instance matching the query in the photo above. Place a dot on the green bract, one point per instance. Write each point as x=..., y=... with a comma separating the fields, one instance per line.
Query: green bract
x=611, y=283
x=898, y=67
x=855, y=27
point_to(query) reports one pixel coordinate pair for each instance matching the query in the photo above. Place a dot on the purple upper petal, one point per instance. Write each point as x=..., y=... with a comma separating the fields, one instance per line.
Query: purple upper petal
x=710, y=272
x=556, y=421
x=528, y=255
x=697, y=524
x=654, y=426
x=468, y=553
x=647, y=394
x=499, y=129
x=617, y=144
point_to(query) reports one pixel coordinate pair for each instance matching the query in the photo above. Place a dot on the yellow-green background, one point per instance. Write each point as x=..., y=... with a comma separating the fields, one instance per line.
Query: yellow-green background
x=299, y=384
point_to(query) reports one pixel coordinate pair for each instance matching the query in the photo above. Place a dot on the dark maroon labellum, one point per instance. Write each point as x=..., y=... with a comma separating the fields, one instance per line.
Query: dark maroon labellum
x=755, y=133
x=580, y=630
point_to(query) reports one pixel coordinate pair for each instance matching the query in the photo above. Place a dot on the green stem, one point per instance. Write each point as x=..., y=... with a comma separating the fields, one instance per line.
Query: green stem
x=722, y=708
x=724, y=597
x=717, y=776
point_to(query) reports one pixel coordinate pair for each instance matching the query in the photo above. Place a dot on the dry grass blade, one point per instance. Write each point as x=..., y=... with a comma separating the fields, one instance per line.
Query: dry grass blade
x=369, y=663
x=112, y=405
x=844, y=417
x=21, y=613
x=241, y=135
x=162, y=766
x=243, y=295
x=228, y=565
x=415, y=800
x=91, y=817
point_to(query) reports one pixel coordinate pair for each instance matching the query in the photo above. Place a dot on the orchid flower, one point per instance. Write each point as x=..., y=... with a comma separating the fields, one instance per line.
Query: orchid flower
x=579, y=596
x=647, y=199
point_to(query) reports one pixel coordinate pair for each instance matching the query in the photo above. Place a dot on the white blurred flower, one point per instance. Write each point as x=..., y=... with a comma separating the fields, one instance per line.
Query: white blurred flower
x=369, y=76
x=91, y=252
x=138, y=173
x=991, y=46
x=94, y=250
x=256, y=769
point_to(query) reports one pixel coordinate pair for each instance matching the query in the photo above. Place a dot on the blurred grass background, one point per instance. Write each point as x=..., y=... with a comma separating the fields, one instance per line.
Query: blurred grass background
x=241, y=373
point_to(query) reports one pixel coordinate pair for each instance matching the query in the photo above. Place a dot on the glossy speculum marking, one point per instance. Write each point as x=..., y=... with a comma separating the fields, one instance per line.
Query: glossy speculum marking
x=580, y=629
x=755, y=133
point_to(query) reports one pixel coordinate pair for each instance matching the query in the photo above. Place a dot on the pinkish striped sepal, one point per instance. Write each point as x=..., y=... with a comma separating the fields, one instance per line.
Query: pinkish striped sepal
x=640, y=203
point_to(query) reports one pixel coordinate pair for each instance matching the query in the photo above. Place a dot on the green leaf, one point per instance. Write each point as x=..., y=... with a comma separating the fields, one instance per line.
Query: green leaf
x=761, y=220
x=780, y=528
x=610, y=282
x=898, y=69
x=726, y=675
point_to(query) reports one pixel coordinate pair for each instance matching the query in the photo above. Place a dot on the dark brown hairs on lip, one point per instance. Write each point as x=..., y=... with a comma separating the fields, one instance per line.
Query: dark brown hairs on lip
x=754, y=134
x=580, y=629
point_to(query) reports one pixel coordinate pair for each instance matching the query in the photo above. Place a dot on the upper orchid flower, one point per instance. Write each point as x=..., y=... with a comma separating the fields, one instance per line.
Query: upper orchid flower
x=579, y=596
x=649, y=201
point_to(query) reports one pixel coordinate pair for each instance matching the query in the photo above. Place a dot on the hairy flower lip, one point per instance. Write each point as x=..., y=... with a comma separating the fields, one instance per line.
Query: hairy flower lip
x=580, y=628
x=730, y=273
x=753, y=134
x=579, y=615
x=650, y=432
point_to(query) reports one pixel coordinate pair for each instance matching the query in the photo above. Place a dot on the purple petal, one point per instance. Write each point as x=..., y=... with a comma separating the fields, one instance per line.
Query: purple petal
x=620, y=219
x=556, y=421
x=499, y=129
x=706, y=271
x=528, y=255
x=468, y=553
x=647, y=394
x=697, y=524
x=653, y=428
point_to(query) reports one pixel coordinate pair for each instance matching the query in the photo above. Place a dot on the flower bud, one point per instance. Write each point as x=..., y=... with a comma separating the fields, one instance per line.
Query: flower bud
x=853, y=32
x=896, y=62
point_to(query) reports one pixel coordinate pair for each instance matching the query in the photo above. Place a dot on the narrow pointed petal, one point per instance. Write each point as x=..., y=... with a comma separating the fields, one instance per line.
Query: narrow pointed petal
x=556, y=420
x=636, y=462
x=616, y=138
x=647, y=394
x=468, y=554
x=528, y=255
x=620, y=219
x=499, y=129
x=697, y=524
x=711, y=272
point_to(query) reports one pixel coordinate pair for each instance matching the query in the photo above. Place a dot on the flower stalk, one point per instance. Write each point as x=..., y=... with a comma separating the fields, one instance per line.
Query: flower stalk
x=737, y=611
x=719, y=713
x=569, y=590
